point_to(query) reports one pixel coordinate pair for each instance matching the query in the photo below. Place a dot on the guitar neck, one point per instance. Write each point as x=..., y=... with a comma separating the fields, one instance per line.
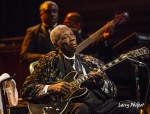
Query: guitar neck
x=134, y=53
x=98, y=35
x=82, y=79
x=113, y=63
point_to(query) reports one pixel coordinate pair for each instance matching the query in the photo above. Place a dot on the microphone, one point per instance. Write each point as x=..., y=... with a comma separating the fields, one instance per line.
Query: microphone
x=5, y=77
x=135, y=61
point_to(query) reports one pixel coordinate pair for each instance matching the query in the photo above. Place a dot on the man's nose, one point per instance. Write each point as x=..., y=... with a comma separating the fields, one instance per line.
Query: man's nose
x=52, y=13
x=72, y=39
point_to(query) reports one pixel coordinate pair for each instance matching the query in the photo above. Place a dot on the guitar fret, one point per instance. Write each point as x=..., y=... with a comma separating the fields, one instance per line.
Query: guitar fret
x=110, y=64
x=79, y=80
x=86, y=77
x=116, y=60
x=134, y=53
x=113, y=62
x=76, y=82
x=104, y=67
x=82, y=78
x=120, y=59
x=107, y=66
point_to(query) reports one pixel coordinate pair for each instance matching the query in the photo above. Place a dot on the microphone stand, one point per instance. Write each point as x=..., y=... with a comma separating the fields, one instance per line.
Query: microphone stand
x=3, y=99
x=136, y=64
x=137, y=83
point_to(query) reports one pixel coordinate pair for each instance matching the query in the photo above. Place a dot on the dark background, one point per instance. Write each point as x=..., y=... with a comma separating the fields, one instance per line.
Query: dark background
x=17, y=15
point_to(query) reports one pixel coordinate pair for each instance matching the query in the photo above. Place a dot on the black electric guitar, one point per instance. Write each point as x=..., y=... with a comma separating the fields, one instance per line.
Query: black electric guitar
x=59, y=104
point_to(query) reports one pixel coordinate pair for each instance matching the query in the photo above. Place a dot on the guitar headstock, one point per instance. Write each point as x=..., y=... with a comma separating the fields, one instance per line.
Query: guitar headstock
x=138, y=52
x=120, y=18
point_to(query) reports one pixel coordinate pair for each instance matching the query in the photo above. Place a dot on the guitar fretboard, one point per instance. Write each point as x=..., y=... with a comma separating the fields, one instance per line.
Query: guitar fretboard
x=134, y=53
x=113, y=63
x=82, y=79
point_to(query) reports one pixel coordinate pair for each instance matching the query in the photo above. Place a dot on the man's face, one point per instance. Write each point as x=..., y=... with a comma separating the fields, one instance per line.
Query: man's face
x=69, y=21
x=49, y=14
x=67, y=42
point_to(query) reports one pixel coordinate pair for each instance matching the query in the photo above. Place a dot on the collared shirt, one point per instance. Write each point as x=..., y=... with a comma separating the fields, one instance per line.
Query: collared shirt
x=49, y=30
x=74, y=57
x=69, y=58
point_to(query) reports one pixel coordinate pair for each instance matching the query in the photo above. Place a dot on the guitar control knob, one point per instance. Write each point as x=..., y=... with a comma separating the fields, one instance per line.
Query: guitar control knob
x=51, y=108
x=57, y=109
x=45, y=109
x=55, y=104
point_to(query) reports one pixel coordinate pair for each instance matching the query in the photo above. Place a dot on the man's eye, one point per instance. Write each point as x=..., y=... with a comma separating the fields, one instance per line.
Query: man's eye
x=72, y=35
x=47, y=12
x=55, y=11
x=50, y=11
x=64, y=37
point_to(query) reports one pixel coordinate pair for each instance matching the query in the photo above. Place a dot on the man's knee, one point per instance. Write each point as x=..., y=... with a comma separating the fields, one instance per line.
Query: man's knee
x=81, y=108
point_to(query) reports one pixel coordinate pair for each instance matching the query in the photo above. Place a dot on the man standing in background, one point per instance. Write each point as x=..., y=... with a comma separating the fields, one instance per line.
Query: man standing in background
x=37, y=42
x=75, y=22
x=98, y=49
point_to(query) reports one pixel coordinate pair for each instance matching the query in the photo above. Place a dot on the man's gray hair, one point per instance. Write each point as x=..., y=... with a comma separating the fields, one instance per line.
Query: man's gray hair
x=48, y=2
x=57, y=32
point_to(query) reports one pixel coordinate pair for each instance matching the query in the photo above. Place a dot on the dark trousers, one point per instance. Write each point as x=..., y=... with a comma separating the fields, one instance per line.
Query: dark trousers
x=93, y=105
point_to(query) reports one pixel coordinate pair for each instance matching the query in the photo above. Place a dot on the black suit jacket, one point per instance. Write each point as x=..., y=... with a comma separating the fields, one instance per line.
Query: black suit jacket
x=36, y=43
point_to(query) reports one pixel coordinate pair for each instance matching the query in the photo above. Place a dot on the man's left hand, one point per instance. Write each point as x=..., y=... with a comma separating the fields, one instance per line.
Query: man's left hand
x=96, y=74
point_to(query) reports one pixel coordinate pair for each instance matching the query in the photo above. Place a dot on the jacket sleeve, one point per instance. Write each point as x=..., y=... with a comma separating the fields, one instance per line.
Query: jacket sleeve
x=108, y=86
x=28, y=47
x=34, y=84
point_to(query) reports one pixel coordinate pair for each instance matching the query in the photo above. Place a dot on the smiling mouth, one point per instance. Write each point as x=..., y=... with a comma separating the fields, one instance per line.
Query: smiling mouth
x=52, y=19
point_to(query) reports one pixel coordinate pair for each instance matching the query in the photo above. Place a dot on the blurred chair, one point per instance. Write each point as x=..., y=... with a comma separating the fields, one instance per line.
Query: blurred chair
x=32, y=66
x=8, y=86
x=31, y=107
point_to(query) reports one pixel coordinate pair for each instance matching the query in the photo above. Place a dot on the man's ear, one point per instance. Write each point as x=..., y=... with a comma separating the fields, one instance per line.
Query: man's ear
x=41, y=15
x=56, y=46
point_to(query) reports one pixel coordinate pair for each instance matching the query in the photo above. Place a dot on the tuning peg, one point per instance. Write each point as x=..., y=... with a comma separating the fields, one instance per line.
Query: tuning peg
x=126, y=14
x=51, y=108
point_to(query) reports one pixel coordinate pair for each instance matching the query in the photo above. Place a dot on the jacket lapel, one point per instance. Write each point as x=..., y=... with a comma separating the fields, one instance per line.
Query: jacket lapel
x=61, y=66
x=44, y=31
x=46, y=36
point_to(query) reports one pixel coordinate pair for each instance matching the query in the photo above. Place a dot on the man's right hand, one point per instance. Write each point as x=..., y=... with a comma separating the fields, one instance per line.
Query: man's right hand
x=61, y=88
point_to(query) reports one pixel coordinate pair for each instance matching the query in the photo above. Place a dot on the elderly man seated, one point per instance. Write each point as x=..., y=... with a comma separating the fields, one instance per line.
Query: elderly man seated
x=72, y=83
